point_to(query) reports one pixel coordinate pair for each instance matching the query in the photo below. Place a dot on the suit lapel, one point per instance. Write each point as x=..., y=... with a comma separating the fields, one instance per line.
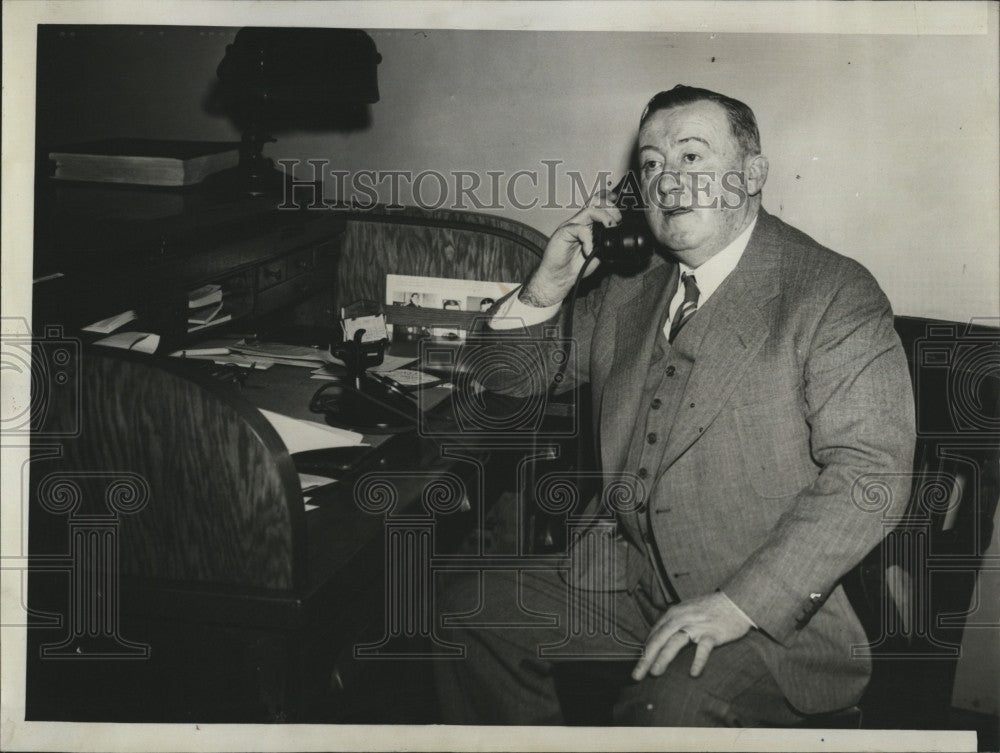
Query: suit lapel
x=736, y=333
x=638, y=327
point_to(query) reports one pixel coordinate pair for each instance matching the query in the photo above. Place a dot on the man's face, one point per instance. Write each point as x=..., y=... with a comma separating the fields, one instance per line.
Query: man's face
x=690, y=165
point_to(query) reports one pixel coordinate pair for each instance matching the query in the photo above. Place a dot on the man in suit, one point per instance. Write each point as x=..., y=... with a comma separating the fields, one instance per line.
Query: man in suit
x=751, y=382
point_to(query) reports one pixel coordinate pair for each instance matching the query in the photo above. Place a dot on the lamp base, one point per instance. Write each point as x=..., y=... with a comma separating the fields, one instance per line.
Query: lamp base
x=251, y=179
x=371, y=408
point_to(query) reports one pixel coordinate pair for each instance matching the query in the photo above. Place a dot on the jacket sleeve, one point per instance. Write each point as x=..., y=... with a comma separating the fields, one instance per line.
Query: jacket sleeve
x=860, y=411
x=523, y=360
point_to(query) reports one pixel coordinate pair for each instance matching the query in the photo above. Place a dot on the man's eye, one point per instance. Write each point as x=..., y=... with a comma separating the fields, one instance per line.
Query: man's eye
x=650, y=165
x=691, y=157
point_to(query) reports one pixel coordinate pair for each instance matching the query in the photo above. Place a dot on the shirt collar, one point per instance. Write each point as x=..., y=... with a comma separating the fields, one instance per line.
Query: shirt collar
x=710, y=275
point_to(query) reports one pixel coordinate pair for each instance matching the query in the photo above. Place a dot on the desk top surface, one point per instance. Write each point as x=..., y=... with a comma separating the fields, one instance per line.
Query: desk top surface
x=342, y=535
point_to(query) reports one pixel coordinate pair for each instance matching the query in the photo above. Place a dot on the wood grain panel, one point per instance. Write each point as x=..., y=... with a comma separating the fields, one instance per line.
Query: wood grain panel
x=440, y=243
x=225, y=505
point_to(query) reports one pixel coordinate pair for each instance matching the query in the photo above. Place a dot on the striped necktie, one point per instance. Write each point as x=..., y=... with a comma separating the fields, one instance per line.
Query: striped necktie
x=688, y=306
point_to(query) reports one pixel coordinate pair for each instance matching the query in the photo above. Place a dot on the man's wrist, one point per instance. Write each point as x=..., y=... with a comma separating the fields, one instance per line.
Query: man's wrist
x=540, y=295
x=739, y=610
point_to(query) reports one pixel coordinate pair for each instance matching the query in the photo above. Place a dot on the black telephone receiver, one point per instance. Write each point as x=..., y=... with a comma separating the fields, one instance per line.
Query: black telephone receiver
x=630, y=243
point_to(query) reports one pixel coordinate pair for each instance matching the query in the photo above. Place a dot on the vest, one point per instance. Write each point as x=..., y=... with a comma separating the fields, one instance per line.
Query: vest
x=669, y=369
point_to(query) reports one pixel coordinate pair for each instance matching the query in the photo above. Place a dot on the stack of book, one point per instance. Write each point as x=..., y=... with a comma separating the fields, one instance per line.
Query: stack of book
x=206, y=308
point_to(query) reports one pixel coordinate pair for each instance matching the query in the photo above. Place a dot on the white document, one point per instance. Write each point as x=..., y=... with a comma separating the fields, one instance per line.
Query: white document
x=144, y=342
x=309, y=481
x=391, y=363
x=300, y=436
x=374, y=327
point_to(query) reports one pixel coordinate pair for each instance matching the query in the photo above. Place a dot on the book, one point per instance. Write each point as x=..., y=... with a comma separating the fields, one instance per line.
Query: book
x=151, y=162
x=213, y=348
x=109, y=325
x=212, y=323
x=200, y=353
x=205, y=314
x=204, y=296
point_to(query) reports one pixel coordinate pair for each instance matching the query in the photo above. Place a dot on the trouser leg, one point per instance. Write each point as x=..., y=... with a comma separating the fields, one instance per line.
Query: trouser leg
x=735, y=689
x=505, y=676
x=512, y=643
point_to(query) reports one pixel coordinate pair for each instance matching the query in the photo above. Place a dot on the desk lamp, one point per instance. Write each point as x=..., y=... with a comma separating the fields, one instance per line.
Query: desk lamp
x=279, y=79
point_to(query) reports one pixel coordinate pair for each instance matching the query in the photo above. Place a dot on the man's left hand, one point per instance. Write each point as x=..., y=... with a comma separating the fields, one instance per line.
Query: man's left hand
x=708, y=621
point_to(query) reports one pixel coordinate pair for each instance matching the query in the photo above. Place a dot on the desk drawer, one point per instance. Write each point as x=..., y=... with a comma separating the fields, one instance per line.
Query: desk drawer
x=271, y=273
x=277, y=271
x=299, y=263
x=287, y=293
x=306, y=233
x=326, y=256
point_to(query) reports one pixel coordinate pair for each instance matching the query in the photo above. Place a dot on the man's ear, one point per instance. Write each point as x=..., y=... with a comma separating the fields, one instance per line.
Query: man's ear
x=756, y=172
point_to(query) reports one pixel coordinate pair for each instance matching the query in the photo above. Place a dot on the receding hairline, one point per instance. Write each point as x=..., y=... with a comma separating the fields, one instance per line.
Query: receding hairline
x=739, y=115
x=689, y=137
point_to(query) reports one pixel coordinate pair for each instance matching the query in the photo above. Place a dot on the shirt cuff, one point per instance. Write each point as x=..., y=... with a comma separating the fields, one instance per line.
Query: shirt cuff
x=737, y=608
x=516, y=314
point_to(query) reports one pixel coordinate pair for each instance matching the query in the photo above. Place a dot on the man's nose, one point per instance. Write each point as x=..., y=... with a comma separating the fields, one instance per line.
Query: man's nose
x=668, y=182
x=666, y=190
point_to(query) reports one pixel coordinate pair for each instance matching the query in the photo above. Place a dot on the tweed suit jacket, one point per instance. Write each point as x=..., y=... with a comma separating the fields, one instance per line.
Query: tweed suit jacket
x=790, y=451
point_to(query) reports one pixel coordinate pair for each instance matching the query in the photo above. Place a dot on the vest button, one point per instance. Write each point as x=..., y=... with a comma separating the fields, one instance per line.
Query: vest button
x=671, y=371
x=651, y=437
x=643, y=473
x=655, y=405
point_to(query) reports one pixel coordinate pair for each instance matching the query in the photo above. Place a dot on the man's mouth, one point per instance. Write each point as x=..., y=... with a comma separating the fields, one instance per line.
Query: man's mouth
x=676, y=211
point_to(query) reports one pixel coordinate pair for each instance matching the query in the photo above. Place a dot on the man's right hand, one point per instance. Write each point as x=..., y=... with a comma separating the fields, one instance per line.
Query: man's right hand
x=566, y=252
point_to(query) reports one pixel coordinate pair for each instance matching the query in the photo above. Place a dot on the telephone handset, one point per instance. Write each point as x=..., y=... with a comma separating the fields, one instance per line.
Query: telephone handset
x=630, y=243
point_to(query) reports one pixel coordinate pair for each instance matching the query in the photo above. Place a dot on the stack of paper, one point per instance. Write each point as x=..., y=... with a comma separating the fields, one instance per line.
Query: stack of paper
x=289, y=355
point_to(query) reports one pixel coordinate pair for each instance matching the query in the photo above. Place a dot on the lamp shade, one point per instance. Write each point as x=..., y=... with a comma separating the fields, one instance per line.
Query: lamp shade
x=289, y=76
